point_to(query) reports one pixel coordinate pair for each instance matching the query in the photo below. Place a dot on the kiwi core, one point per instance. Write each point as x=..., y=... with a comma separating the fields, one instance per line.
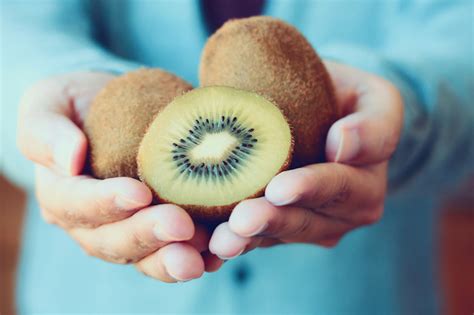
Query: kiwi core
x=215, y=147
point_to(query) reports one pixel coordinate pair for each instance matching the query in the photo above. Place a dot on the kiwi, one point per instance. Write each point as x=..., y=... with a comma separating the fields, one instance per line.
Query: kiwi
x=270, y=57
x=213, y=147
x=120, y=115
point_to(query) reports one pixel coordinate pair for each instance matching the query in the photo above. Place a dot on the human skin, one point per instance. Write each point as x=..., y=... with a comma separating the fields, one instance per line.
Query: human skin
x=315, y=204
x=102, y=215
x=320, y=203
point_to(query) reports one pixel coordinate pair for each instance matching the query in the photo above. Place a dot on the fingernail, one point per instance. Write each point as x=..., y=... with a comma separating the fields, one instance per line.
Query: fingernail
x=178, y=279
x=224, y=258
x=282, y=200
x=165, y=236
x=278, y=192
x=348, y=145
x=63, y=154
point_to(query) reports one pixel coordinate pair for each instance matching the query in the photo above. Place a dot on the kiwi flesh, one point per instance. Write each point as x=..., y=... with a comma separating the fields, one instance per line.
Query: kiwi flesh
x=120, y=114
x=272, y=58
x=213, y=147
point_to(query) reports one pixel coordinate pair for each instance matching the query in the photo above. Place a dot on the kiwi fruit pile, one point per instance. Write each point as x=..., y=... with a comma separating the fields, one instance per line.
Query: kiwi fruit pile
x=265, y=103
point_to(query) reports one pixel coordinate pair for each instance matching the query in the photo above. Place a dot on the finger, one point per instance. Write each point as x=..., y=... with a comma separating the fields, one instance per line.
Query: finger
x=46, y=132
x=258, y=217
x=54, y=142
x=172, y=263
x=133, y=238
x=85, y=201
x=331, y=188
x=369, y=134
x=49, y=111
x=212, y=262
x=226, y=244
x=344, y=82
x=201, y=238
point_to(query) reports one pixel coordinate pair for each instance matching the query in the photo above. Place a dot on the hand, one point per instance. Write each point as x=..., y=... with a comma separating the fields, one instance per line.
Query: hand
x=102, y=215
x=320, y=203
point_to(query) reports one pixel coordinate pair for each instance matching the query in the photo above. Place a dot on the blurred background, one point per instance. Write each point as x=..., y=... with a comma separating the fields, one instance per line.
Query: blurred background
x=455, y=232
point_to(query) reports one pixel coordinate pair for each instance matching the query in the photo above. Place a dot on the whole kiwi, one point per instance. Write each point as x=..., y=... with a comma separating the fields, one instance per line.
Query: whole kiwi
x=272, y=58
x=120, y=114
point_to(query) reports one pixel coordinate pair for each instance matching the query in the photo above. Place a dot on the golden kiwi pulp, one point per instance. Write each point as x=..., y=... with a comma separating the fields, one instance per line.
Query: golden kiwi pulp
x=213, y=147
x=270, y=57
x=120, y=115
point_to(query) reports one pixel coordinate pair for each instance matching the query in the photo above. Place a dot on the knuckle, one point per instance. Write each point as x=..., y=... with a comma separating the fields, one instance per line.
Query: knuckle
x=305, y=186
x=342, y=189
x=77, y=219
x=105, y=209
x=129, y=252
x=111, y=255
x=139, y=243
x=339, y=189
x=342, y=182
x=304, y=225
x=98, y=247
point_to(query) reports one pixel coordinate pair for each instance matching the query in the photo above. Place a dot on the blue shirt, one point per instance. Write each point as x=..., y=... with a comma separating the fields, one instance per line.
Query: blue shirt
x=424, y=47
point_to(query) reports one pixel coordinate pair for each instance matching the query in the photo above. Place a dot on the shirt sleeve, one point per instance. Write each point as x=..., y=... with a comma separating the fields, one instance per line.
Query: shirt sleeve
x=428, y=54
x=40, y=39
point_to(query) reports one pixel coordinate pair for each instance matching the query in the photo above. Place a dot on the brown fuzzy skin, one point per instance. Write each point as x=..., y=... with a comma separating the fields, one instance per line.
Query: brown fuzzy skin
x=120, y=115
x=212, y=216
x=272, y=58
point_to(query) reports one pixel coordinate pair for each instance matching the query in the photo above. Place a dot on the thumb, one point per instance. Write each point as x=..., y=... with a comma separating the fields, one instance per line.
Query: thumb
x=46, y=133
x=371, y=133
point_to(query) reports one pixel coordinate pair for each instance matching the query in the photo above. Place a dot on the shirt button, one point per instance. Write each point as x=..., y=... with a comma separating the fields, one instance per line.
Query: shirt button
x=241, y=274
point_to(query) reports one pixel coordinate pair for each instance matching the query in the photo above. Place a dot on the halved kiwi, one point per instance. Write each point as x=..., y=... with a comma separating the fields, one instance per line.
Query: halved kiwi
x=213, y=147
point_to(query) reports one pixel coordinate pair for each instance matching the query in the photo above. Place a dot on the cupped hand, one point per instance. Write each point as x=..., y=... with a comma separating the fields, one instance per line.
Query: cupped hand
x=320, y=203
x=111, y=219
